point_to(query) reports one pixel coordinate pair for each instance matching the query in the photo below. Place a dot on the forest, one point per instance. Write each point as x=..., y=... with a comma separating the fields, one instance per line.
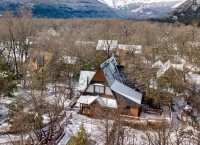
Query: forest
x=25, y=41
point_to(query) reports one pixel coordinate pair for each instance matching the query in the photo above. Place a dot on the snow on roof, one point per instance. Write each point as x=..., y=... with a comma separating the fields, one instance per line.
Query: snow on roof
x=106, y=44
x=85, y=77
x=69, y=59
x=86, y=99
x=104, y=102
x=85, y=43
x=193, y=78
x=111, y=103
x=134, y=48
x=46, y=118
x=163, y=69
x=177, y=66
x=158, y=64
x=178, y=58
x=6, y=100
x=127, y=92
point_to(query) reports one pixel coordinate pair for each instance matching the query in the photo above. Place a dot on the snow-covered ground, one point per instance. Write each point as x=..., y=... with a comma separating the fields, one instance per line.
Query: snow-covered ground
x=92, y=126
x=95, y=128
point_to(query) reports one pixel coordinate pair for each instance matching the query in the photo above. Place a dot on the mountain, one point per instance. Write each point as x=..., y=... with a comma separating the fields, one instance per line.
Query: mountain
x=93, y=8
x=187, y=13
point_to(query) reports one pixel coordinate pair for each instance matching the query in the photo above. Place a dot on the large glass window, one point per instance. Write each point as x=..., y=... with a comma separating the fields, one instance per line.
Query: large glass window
x=90, y=89
x=99, y=89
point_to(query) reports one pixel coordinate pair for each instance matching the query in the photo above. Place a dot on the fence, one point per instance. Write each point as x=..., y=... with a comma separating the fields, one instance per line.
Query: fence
x=142, y=121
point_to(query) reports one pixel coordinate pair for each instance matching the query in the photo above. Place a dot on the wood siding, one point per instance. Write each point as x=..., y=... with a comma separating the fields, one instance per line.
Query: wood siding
x=99, y=76
x=134, y=111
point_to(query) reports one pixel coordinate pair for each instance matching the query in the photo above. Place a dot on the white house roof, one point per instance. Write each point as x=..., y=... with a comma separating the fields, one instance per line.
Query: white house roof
x=127, y=92
x=85, y=43
x=133, y=48
x=106, y=44
x=180, y=59
x=166, y=66
x=193, y=78
x=87, y=99
x=104, y=102
x=163, y=69
x=178, y=66
x=158, y=64
x=69, y=59
x=85, y=77
x=110, y=102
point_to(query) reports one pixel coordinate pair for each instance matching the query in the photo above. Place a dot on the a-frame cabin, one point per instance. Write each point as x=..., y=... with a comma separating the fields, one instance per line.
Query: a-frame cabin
x=108, y=89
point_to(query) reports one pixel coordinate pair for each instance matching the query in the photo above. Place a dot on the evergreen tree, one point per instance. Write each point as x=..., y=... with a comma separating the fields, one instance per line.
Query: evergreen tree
x=82, y=137
x=6, y=79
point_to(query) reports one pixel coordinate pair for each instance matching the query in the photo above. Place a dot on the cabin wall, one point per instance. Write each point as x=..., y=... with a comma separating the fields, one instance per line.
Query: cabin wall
x=134, y=111
x=99, y=76
x=96, y=109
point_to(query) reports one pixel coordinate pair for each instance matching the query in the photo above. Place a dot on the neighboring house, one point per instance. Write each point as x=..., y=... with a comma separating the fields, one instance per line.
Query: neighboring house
x=164, y=67
x=107, y=45
x=85, y=43
x=120, y=51
x=190, y=72
x=124, y=52
x=69, y=59
x=40, y=59
x=108, y=89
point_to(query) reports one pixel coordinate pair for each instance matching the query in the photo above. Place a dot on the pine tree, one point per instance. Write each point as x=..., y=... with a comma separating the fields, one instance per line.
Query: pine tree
x=82, y=137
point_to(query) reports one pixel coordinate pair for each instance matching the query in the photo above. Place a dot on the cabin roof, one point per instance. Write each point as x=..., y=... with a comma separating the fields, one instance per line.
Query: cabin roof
x=132, y=48
x=127, y=92
x=86, y=99
x=157, y=64
x=110, y=70
x=107, y=102
x=84, y=79
x=106, y=44
x=104, y=102
x=69, y=59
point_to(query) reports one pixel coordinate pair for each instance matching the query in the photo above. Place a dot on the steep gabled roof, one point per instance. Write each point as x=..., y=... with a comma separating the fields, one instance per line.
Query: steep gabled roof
x=110, y=70
x=127, y=92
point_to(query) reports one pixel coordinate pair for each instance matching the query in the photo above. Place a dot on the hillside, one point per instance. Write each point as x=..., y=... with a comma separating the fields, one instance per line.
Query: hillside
x=93, y=8
x=187, y=13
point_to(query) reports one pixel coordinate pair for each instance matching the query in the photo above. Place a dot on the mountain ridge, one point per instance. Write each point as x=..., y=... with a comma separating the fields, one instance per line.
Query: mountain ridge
x=138, y=9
